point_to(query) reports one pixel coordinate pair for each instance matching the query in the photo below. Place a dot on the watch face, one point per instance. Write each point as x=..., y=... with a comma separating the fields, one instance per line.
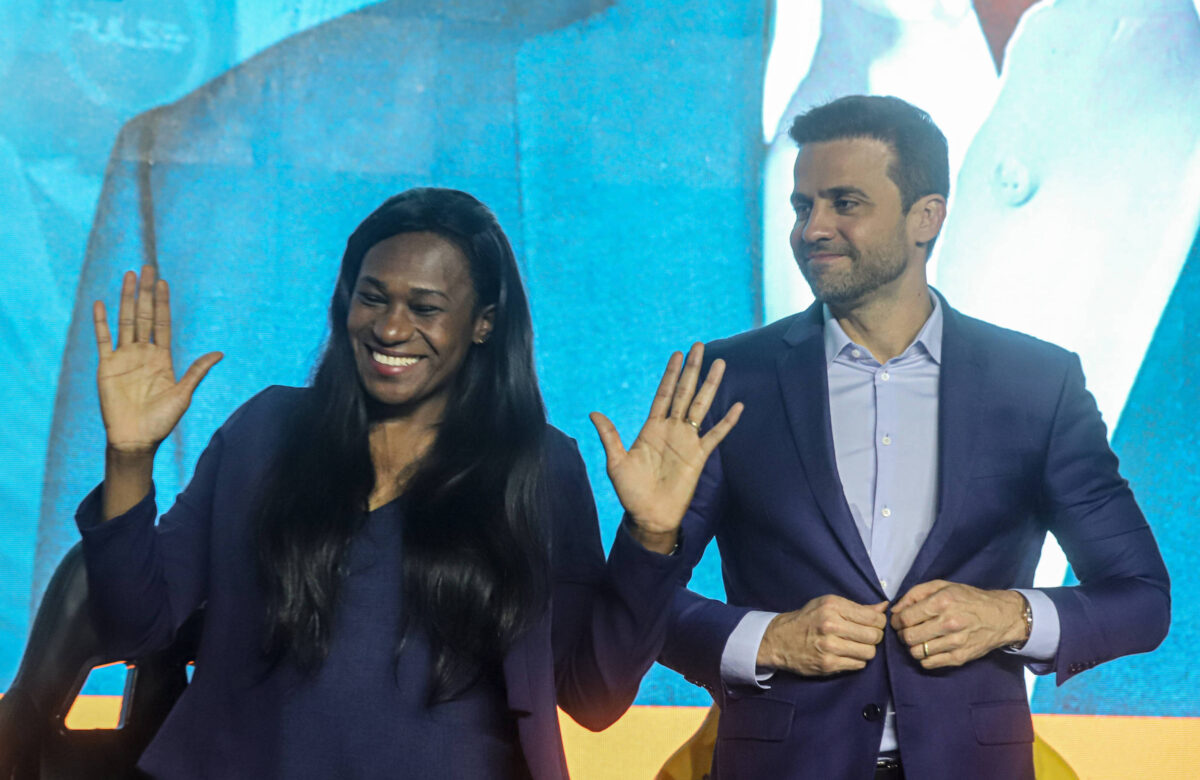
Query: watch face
x=136, y=53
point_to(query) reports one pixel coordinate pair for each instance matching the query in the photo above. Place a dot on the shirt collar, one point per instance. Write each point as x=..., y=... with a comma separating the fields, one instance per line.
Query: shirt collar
x=929, y=337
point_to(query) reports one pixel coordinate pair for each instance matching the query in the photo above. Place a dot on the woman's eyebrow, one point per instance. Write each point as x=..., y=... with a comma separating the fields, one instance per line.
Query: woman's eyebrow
x=371, y=280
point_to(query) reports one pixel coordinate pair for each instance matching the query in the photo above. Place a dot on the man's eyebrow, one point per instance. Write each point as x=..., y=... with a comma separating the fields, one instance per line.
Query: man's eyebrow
x=833, y=193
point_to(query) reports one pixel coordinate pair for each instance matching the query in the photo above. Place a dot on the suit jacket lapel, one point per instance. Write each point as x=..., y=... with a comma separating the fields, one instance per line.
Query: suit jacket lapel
x=804, y=383
x=960, y=391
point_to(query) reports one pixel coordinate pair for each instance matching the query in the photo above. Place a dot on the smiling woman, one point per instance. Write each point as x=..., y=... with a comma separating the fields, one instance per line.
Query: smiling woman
x=413, y=318
x=400, y=566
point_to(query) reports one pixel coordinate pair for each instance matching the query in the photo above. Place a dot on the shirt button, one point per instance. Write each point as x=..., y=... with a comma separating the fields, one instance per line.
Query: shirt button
x=883, y=584
x=885, y=376
x=886, y=512
x=856, y=353
x=886, y=440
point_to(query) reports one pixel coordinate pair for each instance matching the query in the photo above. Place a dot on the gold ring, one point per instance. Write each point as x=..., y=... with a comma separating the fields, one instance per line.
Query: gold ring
x=695, y=425
x=925, y=647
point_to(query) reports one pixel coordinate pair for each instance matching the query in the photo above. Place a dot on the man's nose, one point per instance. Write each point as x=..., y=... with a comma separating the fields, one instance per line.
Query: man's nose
x=818, y=226
x=394, y=326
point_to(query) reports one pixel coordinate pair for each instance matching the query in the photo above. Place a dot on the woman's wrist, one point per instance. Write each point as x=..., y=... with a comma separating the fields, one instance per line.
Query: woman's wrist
x=661, y=542
x=127, y=479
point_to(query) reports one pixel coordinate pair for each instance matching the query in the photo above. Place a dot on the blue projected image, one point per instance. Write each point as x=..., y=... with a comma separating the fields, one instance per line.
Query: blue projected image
x=243, y=191
x=635, y=152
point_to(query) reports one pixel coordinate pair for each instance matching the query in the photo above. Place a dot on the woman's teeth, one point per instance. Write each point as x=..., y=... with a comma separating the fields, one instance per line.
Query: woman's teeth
x=392, y=360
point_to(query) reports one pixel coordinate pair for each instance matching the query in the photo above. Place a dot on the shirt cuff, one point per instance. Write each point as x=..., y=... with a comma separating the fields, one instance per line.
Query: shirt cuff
x=740, y=656
x=1042, y=645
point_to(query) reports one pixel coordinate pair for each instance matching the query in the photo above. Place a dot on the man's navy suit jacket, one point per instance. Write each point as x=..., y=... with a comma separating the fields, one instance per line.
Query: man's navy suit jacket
x=1022, y=451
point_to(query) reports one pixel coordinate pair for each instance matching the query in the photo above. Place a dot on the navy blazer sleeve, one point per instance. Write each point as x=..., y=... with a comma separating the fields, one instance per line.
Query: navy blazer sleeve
x=609, y=621
x=1122, y=604
x=700, y=626
x=143, y=581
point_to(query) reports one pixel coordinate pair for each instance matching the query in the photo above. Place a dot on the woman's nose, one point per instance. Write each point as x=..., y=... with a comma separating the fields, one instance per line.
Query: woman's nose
x=394, y=326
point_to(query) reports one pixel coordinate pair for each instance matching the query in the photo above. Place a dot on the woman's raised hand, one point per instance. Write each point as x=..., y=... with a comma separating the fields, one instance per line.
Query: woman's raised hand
x=139, y=398
x=656, y=477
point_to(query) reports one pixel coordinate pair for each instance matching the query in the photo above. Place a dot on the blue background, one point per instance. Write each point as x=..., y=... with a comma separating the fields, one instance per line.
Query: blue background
x=627, y=148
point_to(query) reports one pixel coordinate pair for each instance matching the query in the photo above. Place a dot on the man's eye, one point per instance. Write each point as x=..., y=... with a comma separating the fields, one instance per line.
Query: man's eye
x=425, y=310
x=844, y=204
x=802, y=211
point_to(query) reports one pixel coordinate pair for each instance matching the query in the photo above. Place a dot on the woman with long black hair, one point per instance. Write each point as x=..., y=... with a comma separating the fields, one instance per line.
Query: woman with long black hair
x=400, y=565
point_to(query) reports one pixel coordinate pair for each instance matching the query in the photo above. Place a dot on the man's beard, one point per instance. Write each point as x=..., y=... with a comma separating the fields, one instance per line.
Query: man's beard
x=867, y=273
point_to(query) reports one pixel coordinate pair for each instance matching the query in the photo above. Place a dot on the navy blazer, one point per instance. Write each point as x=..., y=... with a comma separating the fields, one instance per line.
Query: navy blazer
x=1022, y=451
x=588, y=653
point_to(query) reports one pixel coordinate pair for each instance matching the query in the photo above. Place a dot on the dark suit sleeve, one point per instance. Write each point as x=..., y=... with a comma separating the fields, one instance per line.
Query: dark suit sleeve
x=1122, y=604
x=609, y=620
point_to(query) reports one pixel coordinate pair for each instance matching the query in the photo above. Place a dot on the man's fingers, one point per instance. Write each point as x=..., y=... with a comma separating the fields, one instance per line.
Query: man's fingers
x=100, y=324
x=609, y=438
x=942, y=651
x=144, y=309
x=914, y=607
x=922, y=632
x=859, y=634
x=863, y=615
x=685, y=388
x=914, y=615
x=661, y=405
x=858, y=651
x=918, y=592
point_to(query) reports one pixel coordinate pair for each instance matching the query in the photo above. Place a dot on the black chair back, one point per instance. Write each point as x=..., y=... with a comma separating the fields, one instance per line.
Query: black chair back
x=63, y=648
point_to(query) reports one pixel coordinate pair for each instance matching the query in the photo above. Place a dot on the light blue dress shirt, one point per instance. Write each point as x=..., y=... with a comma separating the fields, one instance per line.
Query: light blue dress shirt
x=885, y=435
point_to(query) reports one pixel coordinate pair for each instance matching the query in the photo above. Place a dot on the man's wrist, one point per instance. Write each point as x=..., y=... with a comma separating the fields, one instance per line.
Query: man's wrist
x=1023, y=627
x=766, y=654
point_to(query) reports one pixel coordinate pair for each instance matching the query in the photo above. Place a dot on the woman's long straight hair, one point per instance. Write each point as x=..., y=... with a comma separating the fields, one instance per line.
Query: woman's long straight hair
x=475, y=561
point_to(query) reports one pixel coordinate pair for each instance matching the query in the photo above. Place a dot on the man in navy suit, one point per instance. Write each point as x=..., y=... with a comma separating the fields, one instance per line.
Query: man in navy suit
x=882, y=504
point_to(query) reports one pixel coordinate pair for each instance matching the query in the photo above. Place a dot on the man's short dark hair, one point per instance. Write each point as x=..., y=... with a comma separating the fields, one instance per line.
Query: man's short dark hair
x=921, y=163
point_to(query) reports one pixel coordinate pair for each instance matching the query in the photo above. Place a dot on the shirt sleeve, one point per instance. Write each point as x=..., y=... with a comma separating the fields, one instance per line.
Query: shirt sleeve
x=739, y=658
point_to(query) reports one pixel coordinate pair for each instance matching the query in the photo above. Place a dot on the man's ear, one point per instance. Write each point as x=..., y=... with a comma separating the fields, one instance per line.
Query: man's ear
x=925, y=218
x=484, y=320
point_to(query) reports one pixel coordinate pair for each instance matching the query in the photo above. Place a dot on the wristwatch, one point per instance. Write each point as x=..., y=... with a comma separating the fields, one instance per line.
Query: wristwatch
x=1028, y=615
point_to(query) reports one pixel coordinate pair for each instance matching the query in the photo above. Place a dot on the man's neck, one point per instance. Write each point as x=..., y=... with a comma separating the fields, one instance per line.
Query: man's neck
x=885, y=325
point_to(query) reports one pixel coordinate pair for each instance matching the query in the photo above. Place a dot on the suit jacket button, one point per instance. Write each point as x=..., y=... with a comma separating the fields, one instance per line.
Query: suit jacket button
x=872, y=712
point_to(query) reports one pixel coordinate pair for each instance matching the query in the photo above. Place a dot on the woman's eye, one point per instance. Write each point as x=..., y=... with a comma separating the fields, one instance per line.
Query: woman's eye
x=424, y=309
x=370, y=298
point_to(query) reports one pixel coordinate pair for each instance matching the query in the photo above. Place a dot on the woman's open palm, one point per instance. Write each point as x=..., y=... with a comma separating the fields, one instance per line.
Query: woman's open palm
x=140, y=400
x=656, y=477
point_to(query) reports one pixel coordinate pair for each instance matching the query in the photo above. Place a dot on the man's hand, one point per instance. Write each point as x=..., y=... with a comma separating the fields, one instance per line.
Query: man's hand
x=828, y=635
x=948, y=624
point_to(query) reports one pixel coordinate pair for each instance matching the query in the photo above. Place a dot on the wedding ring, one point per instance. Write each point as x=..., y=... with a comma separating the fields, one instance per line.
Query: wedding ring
x=925, y=647
x=695, y=425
